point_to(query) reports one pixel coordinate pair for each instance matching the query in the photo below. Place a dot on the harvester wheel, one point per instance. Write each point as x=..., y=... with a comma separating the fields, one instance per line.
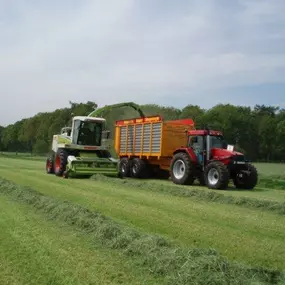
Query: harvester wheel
x=124, y=167
x=217, y=175
x=181, y=169
x=247, y=180
x=49, y=166
x=138, y=168
x=60, y=162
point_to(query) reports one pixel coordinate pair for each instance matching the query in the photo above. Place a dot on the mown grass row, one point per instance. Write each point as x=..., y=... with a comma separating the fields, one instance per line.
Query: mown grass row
x=154, y=253
x=200, y=193
x=273, y=182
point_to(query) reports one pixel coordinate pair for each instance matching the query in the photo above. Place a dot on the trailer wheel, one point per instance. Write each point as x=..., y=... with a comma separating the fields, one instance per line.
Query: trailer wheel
x=247, y=180
x=49, y=166
x=124, y=167
x=60, y=162
x=217, y=175
x=181, y=169
x=138, y=168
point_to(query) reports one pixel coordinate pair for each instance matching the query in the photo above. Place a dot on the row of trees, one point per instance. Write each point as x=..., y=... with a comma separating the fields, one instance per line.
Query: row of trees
x=258, y=132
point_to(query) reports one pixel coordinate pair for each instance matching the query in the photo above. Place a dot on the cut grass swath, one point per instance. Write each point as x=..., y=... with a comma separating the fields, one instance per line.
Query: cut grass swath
x=201, y=194
x=176, y=265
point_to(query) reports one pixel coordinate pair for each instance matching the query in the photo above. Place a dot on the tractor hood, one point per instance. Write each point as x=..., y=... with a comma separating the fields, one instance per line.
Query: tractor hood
x=221, y=154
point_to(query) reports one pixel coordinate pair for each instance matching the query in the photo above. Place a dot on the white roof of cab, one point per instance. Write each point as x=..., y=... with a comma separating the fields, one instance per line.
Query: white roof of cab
x=85, y=118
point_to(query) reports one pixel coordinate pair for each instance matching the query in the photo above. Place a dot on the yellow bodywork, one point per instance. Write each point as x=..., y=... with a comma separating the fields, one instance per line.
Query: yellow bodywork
x=150, y=138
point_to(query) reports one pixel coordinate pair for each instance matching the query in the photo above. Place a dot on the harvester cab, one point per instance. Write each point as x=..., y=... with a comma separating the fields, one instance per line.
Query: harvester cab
x=87, y=131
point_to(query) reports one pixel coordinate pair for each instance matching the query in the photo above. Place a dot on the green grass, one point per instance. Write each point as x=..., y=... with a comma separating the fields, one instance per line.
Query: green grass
x=176, y=265
x=198, y=193
x=269, y=169
x=245, y=235
x=21, y=155
x=36, y=251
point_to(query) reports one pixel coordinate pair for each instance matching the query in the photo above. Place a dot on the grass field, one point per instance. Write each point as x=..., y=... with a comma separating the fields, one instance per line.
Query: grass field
x=247, y=227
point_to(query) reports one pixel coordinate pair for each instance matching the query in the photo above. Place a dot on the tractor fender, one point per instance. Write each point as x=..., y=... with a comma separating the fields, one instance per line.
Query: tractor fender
x=188, y=151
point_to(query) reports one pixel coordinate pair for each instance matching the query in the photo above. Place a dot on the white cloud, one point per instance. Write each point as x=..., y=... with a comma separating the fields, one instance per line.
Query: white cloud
x=110, y=51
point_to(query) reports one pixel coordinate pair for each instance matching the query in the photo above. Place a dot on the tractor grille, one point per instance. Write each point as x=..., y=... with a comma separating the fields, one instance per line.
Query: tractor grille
x=239, y=158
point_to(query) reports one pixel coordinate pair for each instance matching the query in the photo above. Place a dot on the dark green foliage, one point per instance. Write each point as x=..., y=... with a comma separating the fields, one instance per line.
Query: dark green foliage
x=174, y=264
x=258, y=132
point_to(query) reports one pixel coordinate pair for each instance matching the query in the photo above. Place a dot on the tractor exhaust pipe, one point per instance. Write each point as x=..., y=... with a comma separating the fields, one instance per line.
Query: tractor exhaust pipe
x=208, y=147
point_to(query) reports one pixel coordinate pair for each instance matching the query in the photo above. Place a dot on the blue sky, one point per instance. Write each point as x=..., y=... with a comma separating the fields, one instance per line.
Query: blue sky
x=149, y=51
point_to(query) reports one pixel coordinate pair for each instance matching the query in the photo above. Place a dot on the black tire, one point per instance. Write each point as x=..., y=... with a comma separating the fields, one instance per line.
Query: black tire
x=249, y=181
x=49, y=166
x=60, y=162
x=217, y=175
x=182, y=170
x=124, y=167
x=138, y=168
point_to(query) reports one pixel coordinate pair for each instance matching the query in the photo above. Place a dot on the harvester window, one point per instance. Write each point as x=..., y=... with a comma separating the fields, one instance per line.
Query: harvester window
x=90, y=133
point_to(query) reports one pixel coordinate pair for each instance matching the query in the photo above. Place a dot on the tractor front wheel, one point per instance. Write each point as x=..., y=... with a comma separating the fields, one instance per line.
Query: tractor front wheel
x=246, y=179
x=60, y=162
x=181, y=169
x=49, y=166
x=217, y=175
x=124, y=167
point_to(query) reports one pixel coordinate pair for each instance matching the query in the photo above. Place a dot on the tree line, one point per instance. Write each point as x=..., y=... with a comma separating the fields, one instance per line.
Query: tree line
x=259, y=132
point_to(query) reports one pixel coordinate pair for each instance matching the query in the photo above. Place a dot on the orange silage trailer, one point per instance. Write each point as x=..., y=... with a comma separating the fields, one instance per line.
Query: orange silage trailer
x=149, y=143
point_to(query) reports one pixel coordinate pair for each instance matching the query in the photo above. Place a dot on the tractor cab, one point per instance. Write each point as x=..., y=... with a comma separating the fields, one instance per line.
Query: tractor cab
x=209, y=144
x=88, y=131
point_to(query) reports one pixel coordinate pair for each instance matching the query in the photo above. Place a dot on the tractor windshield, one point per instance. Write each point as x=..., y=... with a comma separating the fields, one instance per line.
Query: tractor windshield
x=218, y=142
x=89, y=133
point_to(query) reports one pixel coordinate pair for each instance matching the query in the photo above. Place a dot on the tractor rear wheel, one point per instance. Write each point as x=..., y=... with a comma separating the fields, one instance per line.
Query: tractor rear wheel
x=49, y=166
x=60, y=162
x=217, y=175
x=181, y=169
x=124, y=167
x=138, y=168
x=246, y=180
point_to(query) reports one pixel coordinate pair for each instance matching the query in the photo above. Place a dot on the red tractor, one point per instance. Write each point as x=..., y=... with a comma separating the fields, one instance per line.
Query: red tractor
x=208, y=158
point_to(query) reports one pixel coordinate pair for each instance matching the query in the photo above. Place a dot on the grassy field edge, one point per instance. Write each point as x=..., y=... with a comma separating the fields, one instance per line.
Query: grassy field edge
x=176, y=265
